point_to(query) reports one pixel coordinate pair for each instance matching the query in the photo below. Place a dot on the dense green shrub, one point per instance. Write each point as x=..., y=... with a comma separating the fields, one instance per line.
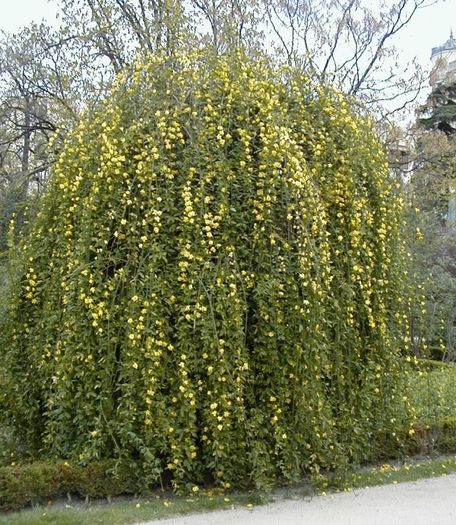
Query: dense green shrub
x=214, y=282
x=40, y=482
x=436, y=436
x=432, y=390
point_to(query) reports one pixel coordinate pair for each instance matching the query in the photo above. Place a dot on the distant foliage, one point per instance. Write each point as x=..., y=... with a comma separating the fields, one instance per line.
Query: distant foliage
x=439, y=112
x=433, y=391
x=432, y=189
x=214, y=284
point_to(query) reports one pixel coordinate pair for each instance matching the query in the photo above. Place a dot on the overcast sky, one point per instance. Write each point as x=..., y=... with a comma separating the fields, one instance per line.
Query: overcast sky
x=17, y=13
x=430, y=27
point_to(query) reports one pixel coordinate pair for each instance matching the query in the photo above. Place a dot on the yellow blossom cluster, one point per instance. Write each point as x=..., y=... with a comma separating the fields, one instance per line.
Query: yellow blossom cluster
x=215, y=281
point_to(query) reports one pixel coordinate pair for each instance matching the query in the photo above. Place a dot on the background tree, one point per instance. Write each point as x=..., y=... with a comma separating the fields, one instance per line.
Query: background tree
x=227, y=25
x=432, y=187
x=439, y=112
x=47, y=77
x=26, y=119
x=116, y=30
x=350, y=43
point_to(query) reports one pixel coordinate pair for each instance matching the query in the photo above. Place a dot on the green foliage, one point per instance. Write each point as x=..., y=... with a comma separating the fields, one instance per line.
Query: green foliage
x=40, y=482
x=441, y=109
x=432, y=392
x=435, y=436
x=432, y=186
x=434, y=267
x=214, y=284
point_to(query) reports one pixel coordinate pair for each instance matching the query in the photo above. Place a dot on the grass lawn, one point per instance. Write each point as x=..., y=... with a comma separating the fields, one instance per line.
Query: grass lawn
x=125, y=512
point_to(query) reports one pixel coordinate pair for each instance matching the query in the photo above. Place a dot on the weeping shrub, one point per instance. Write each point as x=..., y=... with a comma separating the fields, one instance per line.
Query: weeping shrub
x=214, y=282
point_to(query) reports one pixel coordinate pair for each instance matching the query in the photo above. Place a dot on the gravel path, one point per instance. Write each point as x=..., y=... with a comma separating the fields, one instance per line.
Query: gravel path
x=424, y=502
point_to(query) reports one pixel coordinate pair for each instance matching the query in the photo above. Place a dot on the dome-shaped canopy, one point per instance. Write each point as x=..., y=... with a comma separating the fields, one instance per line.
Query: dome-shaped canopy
x=449, y=45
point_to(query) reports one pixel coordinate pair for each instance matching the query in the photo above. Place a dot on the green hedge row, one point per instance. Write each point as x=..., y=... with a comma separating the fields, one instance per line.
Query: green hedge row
x=435, y=436
x=41, y=481
x=430, y=365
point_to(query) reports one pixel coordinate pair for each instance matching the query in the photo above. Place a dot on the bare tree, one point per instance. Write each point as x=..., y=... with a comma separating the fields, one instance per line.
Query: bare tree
x=349, y=43
x=117, y=30
x=25, y=115
x=228, y=24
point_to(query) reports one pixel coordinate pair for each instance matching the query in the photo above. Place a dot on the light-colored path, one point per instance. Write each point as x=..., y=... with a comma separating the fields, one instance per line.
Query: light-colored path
x=425, y=502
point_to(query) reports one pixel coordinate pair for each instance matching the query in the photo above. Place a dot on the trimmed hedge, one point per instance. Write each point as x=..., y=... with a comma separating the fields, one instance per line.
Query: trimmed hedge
x=430, y=365
x=41, y=481
x=435, y=436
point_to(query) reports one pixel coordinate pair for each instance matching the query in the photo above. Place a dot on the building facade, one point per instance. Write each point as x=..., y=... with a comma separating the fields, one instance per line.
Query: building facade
x=443, y=60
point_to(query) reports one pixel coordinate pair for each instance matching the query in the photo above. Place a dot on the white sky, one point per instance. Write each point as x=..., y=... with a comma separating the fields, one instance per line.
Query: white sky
x=430, y=27
x=17, y=13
